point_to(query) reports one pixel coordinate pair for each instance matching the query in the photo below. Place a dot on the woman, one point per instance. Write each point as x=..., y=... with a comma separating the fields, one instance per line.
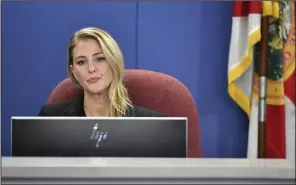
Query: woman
x=95, y=65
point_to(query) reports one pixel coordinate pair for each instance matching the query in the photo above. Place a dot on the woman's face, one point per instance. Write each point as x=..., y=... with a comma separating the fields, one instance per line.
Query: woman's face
x=90, y=67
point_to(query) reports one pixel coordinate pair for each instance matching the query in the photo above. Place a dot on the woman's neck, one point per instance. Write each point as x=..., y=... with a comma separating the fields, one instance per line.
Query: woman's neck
x=95, y=104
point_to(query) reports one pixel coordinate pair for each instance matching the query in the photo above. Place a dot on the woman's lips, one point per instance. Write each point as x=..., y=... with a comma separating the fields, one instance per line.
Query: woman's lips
x=93, y=79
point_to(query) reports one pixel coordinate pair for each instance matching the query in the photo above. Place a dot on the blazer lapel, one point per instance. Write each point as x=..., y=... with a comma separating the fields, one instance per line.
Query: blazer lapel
x=75, y=109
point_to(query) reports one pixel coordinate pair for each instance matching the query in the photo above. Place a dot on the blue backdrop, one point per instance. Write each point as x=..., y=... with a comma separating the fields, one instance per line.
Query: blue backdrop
x=188, y=40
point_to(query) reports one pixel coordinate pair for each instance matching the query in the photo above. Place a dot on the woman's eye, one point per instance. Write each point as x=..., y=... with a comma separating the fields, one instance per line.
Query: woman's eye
x=99, y=59
x=80, y=62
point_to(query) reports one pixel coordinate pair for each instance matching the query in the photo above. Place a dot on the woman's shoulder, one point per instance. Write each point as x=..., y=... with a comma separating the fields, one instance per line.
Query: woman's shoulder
x=74, y=108
x=144, y=112
x=56, y=109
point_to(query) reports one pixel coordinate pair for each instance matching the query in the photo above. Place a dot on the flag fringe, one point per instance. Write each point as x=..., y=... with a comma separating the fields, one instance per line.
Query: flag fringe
x=234, y=91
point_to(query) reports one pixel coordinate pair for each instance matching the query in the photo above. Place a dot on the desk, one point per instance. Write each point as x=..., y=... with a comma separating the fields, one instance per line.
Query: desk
x=148, y=170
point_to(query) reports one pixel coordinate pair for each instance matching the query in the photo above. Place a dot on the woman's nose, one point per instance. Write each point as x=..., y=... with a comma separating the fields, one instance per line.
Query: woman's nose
x=91, y=67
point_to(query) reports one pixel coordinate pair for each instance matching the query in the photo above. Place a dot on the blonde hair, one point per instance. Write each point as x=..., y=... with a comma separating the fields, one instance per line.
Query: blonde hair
x=118, y=95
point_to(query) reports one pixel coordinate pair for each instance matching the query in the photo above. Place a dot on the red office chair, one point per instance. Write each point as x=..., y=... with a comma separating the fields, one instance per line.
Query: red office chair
x=155, y=91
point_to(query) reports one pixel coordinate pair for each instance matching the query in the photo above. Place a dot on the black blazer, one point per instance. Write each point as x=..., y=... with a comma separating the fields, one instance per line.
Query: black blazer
x=74, y=108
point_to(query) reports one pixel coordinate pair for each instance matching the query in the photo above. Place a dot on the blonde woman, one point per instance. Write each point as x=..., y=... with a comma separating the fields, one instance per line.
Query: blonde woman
x=95, y=65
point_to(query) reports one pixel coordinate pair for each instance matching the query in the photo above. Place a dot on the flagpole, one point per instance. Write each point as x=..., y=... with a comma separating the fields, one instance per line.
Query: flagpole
x=263, y=87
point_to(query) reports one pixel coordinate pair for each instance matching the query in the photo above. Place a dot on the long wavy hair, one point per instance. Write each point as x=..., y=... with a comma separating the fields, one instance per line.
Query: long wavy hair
x=119, y=101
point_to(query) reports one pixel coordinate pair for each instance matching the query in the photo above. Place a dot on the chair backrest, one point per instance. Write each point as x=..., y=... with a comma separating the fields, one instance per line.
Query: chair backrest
x=152, y=90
